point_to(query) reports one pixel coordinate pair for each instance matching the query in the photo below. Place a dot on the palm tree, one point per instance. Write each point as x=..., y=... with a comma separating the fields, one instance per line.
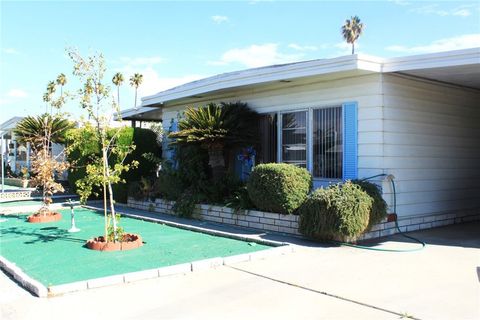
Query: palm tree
x=136, y=81
x=33, y=129
x=215, y=128
x=51, y=88
x=41, y=132
x=50, y=91
x=46, y=99
x=61, y=81
x=118, y=81
x=351, y=30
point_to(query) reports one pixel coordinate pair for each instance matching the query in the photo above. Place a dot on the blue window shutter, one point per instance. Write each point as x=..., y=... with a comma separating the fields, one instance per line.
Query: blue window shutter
x=171, y=150
x=350, y=144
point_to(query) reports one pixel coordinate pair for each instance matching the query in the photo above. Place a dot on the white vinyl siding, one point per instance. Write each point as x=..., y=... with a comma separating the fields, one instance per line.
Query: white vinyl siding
x=431, y=146
x=294, y=96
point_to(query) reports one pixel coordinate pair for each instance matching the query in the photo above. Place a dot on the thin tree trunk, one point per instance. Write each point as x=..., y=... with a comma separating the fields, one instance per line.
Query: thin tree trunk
x=353, y=47
x=105, y=197
x=110, y=192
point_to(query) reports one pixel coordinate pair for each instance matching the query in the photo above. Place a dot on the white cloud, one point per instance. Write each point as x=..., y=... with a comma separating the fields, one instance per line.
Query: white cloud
x=142, y=61
x=153, y=82
x=298, y=47
x=400, y=2
x=435, y=9
x=341, y=49
x=256, y=56
x=17, y=93
x=454, y=43
x=219, y=19
x=10, y=51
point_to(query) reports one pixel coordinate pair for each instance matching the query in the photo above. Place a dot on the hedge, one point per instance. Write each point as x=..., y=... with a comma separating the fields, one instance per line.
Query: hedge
x=278, y=187
x=379, y=206
x=144, y=141
x=339, y=212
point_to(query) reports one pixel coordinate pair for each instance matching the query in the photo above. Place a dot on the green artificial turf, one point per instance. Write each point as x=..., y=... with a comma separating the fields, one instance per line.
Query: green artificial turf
x=51, y=255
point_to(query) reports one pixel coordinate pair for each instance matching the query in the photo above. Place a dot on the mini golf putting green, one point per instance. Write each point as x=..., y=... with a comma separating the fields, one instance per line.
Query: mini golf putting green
x=52, y=256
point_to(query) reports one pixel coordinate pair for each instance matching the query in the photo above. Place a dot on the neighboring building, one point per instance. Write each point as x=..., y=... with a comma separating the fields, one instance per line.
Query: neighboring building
x=416, y=118
x=17, y=155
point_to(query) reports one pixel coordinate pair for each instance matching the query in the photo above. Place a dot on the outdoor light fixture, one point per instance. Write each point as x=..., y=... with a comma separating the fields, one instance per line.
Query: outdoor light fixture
x=73, y=227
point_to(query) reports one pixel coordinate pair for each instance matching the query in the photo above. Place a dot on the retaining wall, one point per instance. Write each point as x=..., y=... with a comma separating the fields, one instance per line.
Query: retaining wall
x=288, y=224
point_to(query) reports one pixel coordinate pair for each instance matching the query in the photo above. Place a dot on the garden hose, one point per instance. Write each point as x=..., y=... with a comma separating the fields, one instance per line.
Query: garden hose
x=423, y=244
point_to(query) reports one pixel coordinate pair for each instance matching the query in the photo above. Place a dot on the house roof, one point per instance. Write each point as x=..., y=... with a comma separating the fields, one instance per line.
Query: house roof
x=10, y=124
x=140, y=114
x=460, y=67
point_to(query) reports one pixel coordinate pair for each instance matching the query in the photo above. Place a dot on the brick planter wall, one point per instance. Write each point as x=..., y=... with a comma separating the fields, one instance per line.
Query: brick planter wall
x=265, y=221
x=288, y=224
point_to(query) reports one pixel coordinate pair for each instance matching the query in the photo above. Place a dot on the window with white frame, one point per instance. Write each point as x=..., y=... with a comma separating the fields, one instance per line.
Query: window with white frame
x=294, y=138
x=310, y=138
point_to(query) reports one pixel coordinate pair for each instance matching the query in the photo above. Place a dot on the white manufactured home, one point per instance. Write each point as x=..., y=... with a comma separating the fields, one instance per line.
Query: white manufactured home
x=17, y=155
x=416, y=118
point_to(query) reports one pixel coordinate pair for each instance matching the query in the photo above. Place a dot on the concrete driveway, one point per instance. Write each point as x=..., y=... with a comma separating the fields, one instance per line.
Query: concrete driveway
x=315, y=282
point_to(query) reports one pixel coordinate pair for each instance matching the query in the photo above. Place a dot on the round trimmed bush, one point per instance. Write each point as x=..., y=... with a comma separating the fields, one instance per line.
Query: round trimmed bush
x=339, y=212
x=379, y=206
x=278, y=187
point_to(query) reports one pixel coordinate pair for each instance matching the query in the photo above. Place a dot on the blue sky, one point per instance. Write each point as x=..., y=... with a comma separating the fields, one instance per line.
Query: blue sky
x=175, y=42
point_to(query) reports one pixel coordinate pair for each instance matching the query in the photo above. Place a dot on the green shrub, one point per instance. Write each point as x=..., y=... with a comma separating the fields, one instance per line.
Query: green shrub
x=339, y=212
x=168, y=185
x=120, y=192
x=240, y=200
x=379, y=206
x=140, y=190
x=185, y=205
x=278, y=187
x=217, y=192
x=145, y=141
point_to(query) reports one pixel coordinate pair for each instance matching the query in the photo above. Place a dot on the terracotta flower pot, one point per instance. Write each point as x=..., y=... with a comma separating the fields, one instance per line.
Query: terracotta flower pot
x=41, y=218
x=129, y=242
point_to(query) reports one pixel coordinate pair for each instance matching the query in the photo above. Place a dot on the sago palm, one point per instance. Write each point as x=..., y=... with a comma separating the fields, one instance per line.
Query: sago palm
x=135, y=81
x=33, y=129
x=216, y=127
x=351, y=30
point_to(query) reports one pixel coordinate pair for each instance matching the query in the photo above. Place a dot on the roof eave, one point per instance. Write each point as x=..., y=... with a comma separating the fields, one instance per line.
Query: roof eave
x=265, y=75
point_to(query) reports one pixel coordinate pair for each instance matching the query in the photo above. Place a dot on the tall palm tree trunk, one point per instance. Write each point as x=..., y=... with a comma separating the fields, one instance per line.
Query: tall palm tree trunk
x=135, y=98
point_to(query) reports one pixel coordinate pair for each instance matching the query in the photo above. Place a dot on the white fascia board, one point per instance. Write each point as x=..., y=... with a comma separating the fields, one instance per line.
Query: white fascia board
x=264, y=75
x=314, y=68
x=433, y=60
x=133, y=111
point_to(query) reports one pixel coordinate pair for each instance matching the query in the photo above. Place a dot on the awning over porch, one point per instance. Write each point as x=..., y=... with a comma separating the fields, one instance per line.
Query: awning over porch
x=141, y=114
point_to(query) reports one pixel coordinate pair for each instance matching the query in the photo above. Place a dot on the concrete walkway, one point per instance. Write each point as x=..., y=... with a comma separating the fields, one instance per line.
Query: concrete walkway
x=315, y=282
